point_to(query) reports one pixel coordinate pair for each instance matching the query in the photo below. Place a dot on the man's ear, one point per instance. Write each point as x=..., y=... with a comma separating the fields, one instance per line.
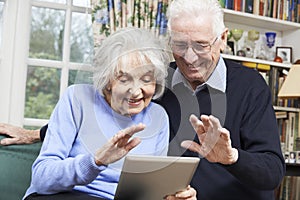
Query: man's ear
x=224, y=39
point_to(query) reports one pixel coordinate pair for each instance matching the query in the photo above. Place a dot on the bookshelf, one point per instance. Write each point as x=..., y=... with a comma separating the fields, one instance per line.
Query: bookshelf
x=287, y=32
x=287, y=35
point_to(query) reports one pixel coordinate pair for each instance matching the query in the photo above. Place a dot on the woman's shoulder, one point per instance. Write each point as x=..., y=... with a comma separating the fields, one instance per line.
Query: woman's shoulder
x=156, y=109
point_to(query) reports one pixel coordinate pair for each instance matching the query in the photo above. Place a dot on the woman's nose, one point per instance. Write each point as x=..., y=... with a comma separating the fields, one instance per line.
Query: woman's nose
x=135, y=89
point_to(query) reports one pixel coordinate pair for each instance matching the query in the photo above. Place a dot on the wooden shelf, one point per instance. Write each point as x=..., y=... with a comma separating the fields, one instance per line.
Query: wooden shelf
x=245, y=59
x=289, y=109
x=259, y=21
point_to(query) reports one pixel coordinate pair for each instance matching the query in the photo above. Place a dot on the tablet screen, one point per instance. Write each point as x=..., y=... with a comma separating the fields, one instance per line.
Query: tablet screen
x=154, y=177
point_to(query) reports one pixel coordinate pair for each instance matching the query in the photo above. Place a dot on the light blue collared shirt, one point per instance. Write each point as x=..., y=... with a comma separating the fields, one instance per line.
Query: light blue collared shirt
x=217, y=79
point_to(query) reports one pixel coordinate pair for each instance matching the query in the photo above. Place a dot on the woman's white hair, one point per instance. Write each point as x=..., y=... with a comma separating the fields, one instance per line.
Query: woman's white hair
x=114, y=50
x=195, y=9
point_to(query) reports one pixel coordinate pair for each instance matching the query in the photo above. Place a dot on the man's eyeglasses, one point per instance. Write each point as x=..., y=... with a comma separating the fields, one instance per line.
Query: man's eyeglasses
x=180, y=47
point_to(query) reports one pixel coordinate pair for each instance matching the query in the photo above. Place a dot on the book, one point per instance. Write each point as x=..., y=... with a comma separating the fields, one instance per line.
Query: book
x=281, y=114
x=256, y=7
x=274, y=13
x=229, y=4
x=237, y=5
x=249, y=6
x=290, y=132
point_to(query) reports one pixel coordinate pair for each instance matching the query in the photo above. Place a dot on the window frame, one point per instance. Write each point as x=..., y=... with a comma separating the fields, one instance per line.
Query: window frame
x=15, y=59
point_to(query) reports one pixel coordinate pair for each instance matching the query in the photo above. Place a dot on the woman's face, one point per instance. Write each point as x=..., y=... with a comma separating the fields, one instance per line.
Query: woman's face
x=132, y=88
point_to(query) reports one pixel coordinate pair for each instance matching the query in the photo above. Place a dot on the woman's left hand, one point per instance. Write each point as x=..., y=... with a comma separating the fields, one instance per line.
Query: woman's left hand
x=118, y=146
x=188, y=194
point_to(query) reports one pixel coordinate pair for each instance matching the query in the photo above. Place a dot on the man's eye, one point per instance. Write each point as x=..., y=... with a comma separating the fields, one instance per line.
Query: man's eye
x=200, y=46
x=180, y=45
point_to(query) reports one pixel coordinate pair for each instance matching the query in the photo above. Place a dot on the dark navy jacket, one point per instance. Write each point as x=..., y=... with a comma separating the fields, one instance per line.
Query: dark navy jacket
x=246, y=111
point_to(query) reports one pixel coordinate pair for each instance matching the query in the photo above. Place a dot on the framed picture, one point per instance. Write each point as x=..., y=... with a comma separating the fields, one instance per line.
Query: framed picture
x=285, y=53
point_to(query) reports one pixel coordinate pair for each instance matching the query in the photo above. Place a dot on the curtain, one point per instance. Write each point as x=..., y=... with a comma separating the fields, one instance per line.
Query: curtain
x=111, y=15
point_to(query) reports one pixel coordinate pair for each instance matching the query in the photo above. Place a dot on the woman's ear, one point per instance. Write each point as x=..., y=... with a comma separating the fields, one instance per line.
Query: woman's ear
x=108, y=87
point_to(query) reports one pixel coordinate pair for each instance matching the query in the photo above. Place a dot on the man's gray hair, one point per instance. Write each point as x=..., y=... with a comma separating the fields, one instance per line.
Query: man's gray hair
x=195, y=9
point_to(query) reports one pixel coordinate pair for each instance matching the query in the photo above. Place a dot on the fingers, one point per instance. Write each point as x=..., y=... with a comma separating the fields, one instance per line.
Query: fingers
x=132, y=143
x=214, y=122
x=197, y=124
x=126, y=134
x=8, y=141
x=191, y=145
x=188, y=194
x=225, y=135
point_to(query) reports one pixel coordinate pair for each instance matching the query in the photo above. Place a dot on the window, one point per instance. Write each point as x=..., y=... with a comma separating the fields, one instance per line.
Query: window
x=1, y=23
x=52, y=48
x=49, y=46
x=60, y=49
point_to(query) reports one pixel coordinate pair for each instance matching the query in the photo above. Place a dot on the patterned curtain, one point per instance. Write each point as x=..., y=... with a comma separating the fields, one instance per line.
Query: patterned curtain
x=110, y=15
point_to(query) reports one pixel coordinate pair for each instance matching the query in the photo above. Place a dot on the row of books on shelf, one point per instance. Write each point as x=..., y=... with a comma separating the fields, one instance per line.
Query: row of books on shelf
x=288, y=10
x=288, y=189
x=288, y=126
x=275, y=78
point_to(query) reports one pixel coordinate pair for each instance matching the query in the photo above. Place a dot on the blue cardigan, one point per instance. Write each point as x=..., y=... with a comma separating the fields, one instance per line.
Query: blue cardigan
x=81, y=123
x=247, y=112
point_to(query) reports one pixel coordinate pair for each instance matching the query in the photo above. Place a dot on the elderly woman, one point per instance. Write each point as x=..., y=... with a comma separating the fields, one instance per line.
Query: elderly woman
x=93, y=127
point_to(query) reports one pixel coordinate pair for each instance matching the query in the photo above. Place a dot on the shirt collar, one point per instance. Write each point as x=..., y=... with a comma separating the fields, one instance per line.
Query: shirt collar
x=217, y=80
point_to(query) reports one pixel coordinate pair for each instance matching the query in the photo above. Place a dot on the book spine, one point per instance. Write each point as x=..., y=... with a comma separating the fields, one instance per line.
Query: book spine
x=237, y=5
x=256, y=7
x=274, y=14
x=229, y=4
x=298, y=11
x=249, y=6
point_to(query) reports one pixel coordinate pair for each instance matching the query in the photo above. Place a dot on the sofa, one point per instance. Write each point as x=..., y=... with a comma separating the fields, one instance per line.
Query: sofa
x=15, y=169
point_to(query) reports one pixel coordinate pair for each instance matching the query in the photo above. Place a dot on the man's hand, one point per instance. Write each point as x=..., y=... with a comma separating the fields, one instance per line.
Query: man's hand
x=215, y=142
x=188, y=194
x=118, y=146
x=18, y=135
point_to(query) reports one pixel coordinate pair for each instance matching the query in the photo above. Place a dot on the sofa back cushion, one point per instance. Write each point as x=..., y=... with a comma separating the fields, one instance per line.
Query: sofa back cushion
x=15, y=169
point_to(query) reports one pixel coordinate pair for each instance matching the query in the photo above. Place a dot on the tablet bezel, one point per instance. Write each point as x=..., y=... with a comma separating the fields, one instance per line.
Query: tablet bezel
x=154, y=177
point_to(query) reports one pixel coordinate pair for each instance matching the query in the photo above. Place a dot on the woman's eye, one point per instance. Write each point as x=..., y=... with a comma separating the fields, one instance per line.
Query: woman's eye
x=147, y=79
x=123, y=79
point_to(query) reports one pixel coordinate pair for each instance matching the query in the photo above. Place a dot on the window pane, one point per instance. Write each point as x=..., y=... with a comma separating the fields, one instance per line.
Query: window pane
x=81, y=38
x=47, y=30
x=82, y=3
x=78, y=76
x=42, y=91
x=55, y=1
x=1, y=20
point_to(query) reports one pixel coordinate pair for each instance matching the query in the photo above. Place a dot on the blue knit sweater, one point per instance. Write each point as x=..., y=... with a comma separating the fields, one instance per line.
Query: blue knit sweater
x=80, y=124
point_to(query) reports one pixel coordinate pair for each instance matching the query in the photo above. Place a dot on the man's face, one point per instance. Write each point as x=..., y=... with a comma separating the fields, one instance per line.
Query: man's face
x=195, y=48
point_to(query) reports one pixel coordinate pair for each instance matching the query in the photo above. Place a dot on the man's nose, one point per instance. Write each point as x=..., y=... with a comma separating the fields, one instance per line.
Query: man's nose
x=190, y=56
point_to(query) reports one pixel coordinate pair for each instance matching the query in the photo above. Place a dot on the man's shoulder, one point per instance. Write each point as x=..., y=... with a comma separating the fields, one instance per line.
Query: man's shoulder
x=238, y=72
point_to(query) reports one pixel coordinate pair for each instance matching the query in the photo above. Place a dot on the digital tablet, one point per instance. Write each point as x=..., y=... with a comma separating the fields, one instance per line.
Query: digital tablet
x=154, y=177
